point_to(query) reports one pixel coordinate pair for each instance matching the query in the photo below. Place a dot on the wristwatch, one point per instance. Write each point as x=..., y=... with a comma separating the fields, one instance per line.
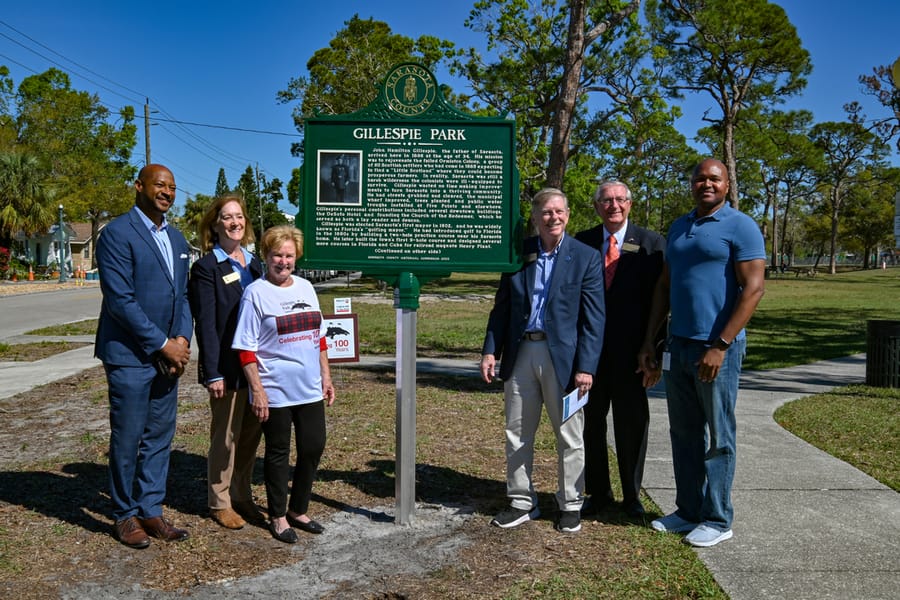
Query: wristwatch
x=721, y=344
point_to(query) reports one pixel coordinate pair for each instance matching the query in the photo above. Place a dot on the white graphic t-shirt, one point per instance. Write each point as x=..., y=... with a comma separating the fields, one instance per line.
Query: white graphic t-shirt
x=281, y=325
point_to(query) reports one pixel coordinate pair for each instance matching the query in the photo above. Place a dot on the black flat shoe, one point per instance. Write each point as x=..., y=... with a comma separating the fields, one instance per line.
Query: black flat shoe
x=288, y=536
x=310, y=527
x=634, y=509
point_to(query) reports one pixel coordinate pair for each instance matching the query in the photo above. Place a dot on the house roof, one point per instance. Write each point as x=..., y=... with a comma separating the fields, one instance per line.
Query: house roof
x=82, y=232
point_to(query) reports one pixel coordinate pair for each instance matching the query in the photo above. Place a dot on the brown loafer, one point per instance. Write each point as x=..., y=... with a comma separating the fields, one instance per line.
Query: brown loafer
x=227, y=518
x=129, y=532
x=162, y=528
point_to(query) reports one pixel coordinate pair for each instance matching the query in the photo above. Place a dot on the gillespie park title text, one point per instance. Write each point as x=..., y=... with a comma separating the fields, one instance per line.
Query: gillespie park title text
x=409, y=133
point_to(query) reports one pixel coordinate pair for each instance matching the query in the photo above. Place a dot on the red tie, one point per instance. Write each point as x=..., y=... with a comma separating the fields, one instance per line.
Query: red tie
x=611, y=261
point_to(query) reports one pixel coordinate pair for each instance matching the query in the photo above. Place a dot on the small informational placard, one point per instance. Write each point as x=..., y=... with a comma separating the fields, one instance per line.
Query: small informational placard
x=342, y=306
x=342, y=337
x=572, y=403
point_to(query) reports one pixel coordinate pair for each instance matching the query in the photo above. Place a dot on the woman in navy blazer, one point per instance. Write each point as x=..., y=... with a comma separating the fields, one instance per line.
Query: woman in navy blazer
x=217, y=282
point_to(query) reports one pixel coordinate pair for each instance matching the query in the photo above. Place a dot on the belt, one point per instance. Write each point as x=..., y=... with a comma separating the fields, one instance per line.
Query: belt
x=535, y=336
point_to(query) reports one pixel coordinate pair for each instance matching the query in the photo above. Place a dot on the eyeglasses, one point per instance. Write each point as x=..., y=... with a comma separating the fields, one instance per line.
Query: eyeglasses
x=609, y=201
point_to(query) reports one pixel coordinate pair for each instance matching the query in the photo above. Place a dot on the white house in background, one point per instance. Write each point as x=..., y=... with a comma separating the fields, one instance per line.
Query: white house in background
x=43, y=249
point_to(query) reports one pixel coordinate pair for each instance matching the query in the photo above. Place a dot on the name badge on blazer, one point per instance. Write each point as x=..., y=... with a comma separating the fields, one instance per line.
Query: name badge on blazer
x=629, y=247
x=231, y=277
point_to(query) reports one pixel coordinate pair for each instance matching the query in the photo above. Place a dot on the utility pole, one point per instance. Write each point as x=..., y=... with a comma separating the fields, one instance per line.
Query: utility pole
x=259, y=199
x=147, y=130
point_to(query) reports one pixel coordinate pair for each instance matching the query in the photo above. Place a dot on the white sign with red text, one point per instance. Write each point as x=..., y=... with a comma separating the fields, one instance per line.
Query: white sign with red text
x=341, y=336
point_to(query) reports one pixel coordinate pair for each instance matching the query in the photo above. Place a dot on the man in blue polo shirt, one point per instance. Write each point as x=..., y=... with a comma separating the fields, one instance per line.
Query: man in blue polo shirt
x=712, y=281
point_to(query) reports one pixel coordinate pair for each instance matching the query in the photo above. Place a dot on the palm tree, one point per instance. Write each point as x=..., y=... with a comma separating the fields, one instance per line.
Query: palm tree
x=25, y=200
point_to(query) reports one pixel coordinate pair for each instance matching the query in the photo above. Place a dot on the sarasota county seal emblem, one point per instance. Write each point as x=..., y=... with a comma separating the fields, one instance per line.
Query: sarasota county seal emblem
x=410, y=89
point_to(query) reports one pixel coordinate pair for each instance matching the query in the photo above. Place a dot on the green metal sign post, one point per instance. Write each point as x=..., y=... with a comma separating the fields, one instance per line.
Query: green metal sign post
x=406, y=190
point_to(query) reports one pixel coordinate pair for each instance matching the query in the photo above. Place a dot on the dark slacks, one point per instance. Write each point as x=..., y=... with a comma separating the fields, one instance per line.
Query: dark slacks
x=622, y=391
x=309, y=422
x=142, y=409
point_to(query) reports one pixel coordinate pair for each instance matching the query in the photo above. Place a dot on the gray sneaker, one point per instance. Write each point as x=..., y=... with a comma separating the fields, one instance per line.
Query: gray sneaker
x=673, y=524
x=705, y=536
x=512, y=517
x=569, y=521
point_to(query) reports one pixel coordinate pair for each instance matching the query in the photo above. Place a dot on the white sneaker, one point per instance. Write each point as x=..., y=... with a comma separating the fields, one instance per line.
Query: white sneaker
x=673, y=524
x=704, y=536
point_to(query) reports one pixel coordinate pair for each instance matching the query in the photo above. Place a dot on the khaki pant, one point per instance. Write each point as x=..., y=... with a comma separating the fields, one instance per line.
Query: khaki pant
x=533, y=385
x=234, y=434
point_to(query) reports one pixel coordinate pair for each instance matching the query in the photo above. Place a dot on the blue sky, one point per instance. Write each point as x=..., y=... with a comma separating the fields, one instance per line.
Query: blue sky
x=221, y=63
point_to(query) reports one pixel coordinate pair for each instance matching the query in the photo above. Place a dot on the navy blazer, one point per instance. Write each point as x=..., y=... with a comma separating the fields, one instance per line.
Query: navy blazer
x=574, y=316
x=215, y=304
x=629, y=297
x=143, y=305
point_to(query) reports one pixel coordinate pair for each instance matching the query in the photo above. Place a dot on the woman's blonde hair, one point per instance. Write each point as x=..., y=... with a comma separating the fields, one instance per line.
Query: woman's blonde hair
x=275, y=237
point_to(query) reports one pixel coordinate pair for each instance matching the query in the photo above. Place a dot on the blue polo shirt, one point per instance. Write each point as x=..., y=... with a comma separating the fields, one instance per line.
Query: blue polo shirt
x=701, y=253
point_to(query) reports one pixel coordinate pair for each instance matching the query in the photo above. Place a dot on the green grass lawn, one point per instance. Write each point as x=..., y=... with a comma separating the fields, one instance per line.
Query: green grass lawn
x=799, y=321
x=805, y=320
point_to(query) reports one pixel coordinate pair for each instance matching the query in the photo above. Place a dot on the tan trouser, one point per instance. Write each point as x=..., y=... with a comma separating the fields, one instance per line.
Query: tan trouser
x=531, y=387
x=234, y=434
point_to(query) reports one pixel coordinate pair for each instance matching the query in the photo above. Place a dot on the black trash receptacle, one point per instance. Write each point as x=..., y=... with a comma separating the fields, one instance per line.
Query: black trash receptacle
x=883, y=354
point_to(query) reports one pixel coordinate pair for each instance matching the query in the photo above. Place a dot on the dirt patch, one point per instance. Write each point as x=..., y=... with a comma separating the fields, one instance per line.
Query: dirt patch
x=32, y=351
x=55, y=537
x=15, y=288
x=54, y=508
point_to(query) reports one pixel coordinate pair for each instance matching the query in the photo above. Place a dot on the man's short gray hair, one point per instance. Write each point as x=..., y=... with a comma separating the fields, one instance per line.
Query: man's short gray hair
x=611, y=183
x=545, y=194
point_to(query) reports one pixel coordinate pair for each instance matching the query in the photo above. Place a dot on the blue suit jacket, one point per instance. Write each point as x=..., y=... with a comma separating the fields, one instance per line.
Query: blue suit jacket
x=143, y=305
x=574, y=317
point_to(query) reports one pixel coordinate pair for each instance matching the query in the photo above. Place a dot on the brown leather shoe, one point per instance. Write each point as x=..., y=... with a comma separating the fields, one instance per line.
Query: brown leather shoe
x=227, y=518
x=129, y=532
x=162, y=528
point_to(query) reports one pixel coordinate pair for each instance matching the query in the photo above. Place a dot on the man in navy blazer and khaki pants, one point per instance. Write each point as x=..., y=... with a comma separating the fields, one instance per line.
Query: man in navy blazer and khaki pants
x=618, y=379
x=142, y=338
x=547, y=327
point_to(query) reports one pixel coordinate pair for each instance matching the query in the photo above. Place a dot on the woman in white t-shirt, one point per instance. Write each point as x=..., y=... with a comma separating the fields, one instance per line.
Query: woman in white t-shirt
x=285, y=360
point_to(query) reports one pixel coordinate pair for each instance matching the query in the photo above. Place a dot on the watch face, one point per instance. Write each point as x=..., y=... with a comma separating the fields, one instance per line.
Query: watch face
x=410, y=90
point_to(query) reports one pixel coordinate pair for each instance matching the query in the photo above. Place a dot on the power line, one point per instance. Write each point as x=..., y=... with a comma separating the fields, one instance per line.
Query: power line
x=14, y=61
x=262, y=131
x=180, y=124
x=80, y=66
x=62, y=67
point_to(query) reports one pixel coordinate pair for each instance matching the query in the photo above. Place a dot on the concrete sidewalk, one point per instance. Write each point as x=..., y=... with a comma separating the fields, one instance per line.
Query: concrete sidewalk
x=18, y=377
x=807, y=525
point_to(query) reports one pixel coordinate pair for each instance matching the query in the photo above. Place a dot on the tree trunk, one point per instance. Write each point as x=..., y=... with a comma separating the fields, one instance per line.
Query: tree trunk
x=568, y=95
x=729, y=160
x=776, y=248
x=784, y=219
x=835, y=211
x=95, y=229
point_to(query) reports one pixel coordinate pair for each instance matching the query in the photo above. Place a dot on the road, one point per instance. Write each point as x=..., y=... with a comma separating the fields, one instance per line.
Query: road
x=25, y=312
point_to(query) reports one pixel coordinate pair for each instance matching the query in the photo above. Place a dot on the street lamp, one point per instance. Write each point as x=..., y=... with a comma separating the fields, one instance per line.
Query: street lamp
x=62, y=247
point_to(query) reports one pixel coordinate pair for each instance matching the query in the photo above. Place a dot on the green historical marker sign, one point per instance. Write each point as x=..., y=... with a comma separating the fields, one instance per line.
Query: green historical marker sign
x=410, y=184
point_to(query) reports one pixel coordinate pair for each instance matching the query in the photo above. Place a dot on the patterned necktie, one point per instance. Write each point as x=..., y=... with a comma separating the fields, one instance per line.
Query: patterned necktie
x=611, y=261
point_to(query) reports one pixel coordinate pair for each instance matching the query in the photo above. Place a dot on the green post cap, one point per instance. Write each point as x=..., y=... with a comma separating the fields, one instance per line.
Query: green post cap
x=406, y=291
